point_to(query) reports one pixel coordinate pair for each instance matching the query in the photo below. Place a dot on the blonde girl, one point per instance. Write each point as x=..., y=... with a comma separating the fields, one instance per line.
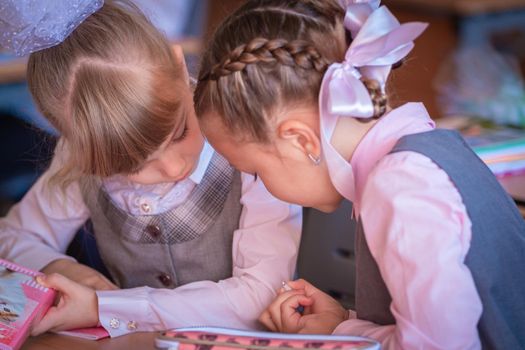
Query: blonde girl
x=189, y=240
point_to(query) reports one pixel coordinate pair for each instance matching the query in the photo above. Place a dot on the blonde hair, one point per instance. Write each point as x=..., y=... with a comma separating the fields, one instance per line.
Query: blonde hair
x=270, y=54
x=110, y=89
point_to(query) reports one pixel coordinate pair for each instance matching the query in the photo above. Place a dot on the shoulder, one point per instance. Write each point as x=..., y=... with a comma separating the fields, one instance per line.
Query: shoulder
x=407, y=171
x=409, y=182
x=409, y=199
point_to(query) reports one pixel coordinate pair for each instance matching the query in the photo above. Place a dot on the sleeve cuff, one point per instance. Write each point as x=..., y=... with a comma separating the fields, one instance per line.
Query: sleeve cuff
x=124, y=311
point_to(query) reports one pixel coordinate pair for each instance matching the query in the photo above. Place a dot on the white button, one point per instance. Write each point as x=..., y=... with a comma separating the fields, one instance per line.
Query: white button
x=132, y=325
x=145, y=207
x=114, y=323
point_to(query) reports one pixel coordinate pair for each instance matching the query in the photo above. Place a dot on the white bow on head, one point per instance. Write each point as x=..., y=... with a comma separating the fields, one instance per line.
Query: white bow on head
x=379, y=41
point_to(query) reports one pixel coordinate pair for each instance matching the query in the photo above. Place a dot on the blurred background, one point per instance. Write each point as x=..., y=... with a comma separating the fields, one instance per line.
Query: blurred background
x=467, y=68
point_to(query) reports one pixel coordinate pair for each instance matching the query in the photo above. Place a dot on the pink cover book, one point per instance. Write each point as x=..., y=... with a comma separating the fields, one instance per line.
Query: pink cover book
x=22, y=302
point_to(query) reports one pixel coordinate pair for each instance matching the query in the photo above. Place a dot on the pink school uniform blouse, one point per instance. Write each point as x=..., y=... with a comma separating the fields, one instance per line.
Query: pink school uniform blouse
x=418, y=231
x=39, y=228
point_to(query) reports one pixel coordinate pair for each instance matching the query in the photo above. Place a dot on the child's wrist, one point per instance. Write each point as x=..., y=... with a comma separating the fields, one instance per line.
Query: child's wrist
x=96, y=315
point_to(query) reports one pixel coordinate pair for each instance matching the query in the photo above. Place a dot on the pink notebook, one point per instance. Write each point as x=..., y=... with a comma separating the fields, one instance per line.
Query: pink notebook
x=22, y=302
x=94, y=333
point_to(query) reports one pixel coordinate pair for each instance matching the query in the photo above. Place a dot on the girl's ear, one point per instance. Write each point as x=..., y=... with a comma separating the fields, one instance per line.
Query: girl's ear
x=301, y=136
x=179, y=57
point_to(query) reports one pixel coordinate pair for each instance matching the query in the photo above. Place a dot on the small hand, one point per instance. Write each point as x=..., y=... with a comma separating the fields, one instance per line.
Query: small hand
x=271, y=317
x=77, y=307
x=79, y=273
x=321, y=313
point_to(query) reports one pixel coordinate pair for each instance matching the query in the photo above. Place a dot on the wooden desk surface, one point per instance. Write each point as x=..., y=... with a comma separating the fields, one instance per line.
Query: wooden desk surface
x=48, y=341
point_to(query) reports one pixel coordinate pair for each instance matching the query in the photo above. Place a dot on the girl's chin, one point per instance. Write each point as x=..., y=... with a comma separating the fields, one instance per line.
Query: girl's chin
x=329, y=207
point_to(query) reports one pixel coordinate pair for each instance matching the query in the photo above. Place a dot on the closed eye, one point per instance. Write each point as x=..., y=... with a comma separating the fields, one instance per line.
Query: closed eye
x=182, y=136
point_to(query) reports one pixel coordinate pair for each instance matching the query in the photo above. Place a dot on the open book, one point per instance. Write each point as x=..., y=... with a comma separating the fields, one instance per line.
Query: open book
x=195, y=338
x=22, y=302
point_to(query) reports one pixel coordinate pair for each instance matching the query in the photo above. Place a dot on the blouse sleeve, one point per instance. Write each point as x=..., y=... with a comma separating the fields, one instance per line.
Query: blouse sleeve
x=418, y=232
x=39, y=228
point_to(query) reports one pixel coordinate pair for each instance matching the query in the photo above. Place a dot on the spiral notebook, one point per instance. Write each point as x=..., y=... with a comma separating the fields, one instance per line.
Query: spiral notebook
x=215, y=338
x=22, y=302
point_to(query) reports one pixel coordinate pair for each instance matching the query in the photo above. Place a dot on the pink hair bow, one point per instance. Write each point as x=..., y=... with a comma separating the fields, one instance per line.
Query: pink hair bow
x=379, y=41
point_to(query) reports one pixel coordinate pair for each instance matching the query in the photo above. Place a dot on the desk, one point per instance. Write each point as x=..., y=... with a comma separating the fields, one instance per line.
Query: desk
x=48, y=341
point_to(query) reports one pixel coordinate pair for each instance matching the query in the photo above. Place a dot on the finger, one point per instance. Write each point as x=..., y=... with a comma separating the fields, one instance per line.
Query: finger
x=290, y=317
x=267, y=321
x=111, y=285
x=56, y=281
x=275, y=307
x=50, y=321
x=309, y=325
x=304, y=285
x=351, y=314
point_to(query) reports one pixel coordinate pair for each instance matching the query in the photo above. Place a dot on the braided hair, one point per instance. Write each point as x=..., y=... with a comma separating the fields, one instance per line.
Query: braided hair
x=269, y=54
x=293, y=54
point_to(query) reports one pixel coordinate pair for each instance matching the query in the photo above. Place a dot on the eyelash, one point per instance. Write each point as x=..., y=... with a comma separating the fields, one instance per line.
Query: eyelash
x=178, y=139
x=181, y=137
x=136, y=171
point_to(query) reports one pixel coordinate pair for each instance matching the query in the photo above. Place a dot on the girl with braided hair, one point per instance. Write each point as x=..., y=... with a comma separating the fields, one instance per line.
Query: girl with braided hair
x=186, y=238
x=294, y=91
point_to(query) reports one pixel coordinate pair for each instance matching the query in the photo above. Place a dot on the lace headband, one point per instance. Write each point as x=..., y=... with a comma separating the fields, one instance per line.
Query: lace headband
x=27, y=26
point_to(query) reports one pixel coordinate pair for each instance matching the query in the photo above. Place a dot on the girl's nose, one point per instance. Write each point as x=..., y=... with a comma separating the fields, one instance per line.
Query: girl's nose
x=173, y=167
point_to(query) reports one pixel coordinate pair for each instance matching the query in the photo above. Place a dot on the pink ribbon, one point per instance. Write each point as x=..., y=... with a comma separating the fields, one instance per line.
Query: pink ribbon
x=379, y=41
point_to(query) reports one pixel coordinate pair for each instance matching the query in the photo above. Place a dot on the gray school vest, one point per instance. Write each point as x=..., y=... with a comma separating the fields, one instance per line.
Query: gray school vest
x=496, y=257
x=192, y=242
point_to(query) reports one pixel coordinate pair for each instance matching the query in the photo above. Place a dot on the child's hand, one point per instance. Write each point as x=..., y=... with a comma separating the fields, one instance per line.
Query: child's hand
x=321, y=313
x=76, y=308
x=79, y=273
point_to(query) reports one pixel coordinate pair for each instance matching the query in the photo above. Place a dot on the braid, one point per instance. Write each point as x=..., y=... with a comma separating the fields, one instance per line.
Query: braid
x=280, y=50
x=379, y=98
x=297, y=53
